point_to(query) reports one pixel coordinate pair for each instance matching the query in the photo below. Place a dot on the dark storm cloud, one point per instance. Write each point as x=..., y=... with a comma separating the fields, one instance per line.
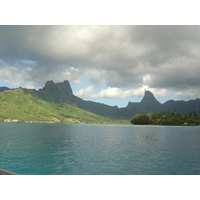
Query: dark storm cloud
x=115, y=56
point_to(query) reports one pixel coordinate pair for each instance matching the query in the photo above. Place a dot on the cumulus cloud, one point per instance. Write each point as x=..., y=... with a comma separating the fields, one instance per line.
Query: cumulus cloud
x=116, y=57
x=85, y=93
x=119, y=93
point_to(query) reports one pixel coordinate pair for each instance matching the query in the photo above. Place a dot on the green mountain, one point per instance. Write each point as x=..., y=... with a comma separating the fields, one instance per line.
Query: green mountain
x=56, y=102
x=150, y=104
x=46, y=105
x=62, y=93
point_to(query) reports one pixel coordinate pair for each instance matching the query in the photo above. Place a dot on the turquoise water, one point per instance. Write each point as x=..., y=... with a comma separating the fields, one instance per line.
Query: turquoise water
x=99, y=149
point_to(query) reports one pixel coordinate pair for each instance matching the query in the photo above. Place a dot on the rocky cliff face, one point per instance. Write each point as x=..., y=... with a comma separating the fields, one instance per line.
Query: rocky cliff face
x=149, y=99
x=56, y=92
x=149, y=103
x=66, y=89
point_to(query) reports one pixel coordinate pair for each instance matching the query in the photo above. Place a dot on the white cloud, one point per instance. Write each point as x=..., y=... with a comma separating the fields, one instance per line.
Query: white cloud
x=29, y=86
x=119, y=93
x=109, y=93
x=85, y=93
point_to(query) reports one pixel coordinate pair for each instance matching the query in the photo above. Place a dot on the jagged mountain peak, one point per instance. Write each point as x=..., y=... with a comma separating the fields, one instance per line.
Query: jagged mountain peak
x=149, y=98
x=56, y=92
x=48, y=85
x=148, y=93
x=148, y=103
x=66, y=88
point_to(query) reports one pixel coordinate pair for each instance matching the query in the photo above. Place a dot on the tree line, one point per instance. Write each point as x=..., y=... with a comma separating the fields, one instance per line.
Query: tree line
x=170, y=118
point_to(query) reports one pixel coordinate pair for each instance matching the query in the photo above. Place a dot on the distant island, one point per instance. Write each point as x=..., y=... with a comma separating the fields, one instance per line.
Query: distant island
x=56, y=103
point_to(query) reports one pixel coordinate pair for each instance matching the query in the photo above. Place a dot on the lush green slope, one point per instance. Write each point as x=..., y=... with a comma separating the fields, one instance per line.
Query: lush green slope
x=25, y=105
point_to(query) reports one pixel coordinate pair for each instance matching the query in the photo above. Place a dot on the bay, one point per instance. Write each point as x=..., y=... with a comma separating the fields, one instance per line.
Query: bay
x=83, y=149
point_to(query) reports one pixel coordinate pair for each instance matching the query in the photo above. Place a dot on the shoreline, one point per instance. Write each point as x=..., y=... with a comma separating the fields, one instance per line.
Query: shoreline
x=46, y=122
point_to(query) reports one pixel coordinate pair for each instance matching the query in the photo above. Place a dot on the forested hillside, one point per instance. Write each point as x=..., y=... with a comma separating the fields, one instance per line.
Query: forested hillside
x=25, y=105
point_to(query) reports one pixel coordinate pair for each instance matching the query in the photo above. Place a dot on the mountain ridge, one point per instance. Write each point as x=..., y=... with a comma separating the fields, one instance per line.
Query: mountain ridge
x=26, y=105
x=60, y=93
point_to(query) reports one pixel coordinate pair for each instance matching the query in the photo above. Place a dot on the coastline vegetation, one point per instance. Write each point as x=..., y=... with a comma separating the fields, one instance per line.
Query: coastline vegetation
x=170, y=118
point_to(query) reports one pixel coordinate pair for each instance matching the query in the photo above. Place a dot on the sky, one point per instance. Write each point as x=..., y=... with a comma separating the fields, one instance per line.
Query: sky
x=109, y=64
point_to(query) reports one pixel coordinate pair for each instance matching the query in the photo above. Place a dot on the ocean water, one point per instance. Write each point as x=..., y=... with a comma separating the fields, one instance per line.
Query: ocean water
x=80, y=149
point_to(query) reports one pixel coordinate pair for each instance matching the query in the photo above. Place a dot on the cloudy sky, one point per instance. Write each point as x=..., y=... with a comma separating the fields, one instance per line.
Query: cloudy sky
x=108, y=64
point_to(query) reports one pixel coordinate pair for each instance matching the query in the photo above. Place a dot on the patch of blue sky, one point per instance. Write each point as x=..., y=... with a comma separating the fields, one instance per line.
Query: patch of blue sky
x=120, y=102
x=115, y=101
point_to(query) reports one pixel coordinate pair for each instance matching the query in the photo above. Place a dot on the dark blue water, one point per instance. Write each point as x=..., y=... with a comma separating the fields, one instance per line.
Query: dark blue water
x=99, y=149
